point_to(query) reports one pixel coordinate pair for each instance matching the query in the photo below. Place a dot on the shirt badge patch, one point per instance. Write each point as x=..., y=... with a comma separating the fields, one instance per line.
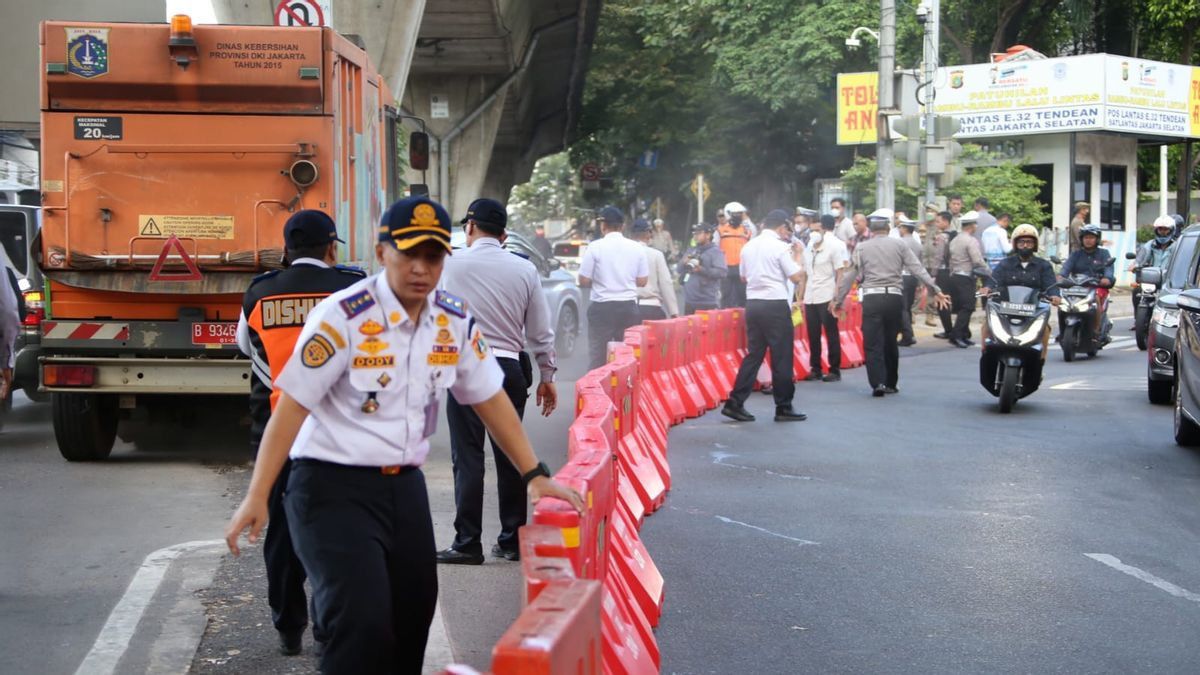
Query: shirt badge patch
x=370, y=327
x=317, y=351
x=480, y=346
x=443, y=358
x=444, y=337
x=394, y=317
x=357, y=304
x=384, y=361
x=442, y=320
x=384, y=380
x=373, y=346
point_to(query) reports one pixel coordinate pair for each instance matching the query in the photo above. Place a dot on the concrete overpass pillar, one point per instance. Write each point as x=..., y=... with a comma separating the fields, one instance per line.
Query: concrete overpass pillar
x=465, y=139
x=388, y=28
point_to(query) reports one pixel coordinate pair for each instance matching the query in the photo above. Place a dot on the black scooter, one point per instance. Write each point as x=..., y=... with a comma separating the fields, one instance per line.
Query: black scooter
x=1015, y=344
x=1147, y=296
x=1077, y=316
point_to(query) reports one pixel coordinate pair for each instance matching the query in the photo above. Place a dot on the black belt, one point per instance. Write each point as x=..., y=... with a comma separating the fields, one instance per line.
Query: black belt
x=390, y=470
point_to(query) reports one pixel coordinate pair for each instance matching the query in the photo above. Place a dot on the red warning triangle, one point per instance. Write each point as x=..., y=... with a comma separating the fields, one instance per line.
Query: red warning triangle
x=157, y=274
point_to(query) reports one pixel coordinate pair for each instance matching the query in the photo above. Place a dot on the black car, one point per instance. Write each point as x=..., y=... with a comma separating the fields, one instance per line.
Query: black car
x=1187, y=355
x=18, y=228
x=1164, y=321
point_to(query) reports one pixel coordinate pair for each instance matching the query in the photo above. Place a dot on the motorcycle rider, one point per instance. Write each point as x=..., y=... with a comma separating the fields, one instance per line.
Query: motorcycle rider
x=1154, y=253
x=1096, y=262
x=1023, y=268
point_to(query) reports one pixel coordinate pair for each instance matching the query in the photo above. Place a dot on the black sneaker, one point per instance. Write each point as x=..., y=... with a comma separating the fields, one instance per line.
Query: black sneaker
x=289, y=642
x=452, y=556
x=736, y=412
x=879, y=391
x=832, y=377
x=507, y=554
x=907, y=343
x=786, y=414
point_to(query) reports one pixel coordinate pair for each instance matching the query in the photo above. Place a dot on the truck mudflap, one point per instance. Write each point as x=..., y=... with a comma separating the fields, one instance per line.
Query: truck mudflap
x=115, y=375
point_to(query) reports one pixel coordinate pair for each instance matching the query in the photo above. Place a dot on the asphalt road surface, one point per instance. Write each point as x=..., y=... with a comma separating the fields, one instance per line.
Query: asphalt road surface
x=925, y=532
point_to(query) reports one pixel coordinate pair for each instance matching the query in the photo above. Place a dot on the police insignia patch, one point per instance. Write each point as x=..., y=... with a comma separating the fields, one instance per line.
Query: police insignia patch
x=480, y=346
x=444, y=337
x=383, y=361
x=373, y=346
x=384, y=379
x=357, y=304
x=317, y=351
x=442, y=320
x=453, y=304
x=370, y=327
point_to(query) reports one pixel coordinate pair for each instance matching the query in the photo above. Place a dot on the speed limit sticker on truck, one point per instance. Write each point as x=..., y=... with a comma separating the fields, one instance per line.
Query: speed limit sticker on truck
x=98, y=128
x=194, y=227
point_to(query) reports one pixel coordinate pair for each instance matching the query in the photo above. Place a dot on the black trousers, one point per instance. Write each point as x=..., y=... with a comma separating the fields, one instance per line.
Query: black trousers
x=607, y=322
x=768, y=325
x=817, y=317
x=651, y=313
x=943, y=282
x=906, y=316
x=467, y=435
x=733, y=289
x=366, y=540
x=285, y=573
x=689, y=309
x=881, y=324
x=962, y=298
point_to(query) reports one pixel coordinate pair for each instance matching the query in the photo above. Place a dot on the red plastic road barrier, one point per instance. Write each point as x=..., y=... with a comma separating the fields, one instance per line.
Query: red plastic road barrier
x=649, y=483
x=631, y=561
x=624, y=648
x=713, y=327
x=656, y=345
x=628, y=500
x=542, y=559
x=594, y=405
x=800, y=358
x=697, y=363
x=590, y=472
x=557, y=633
x=680, y=353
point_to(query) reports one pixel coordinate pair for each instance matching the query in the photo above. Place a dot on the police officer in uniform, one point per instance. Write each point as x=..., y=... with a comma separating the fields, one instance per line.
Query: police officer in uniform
x=767, y=266
x=359, y=400
x=273, y=312
x=613, y=267
x=878, y=264
x=908, y=230
x=505, y=294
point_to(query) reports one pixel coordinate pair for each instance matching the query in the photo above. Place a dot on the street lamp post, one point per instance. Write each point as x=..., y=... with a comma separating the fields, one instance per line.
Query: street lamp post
x=885, y=180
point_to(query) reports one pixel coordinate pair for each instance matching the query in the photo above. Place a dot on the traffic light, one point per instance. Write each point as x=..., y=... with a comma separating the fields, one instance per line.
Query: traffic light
x=907, y=152
x=944, y=128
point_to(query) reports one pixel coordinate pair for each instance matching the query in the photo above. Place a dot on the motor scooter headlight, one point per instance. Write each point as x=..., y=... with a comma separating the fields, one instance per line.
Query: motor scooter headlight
x=1082, y=304
x=1032, y=332
x=998, y=327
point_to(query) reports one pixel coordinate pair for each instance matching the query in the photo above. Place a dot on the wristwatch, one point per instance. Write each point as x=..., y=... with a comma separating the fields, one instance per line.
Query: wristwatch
x=540, y=470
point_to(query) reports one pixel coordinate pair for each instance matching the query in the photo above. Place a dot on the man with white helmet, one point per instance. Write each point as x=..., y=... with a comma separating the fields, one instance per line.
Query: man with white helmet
x=732, y=236
x=1023, y=267
x=1154, y=253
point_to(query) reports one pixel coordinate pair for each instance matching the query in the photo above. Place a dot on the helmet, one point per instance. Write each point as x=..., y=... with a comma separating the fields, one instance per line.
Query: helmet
x=1026, y=230
x=1092, y=229
x=1164, y=223
x=1178, y=222
x=734, y=207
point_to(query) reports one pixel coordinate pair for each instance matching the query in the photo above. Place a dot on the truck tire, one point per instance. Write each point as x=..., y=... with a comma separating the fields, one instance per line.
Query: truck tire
x=85, y=425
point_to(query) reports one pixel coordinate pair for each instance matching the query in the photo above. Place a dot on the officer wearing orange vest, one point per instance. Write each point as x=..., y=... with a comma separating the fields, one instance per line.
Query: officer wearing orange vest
x=273, y=312
x=732, y=235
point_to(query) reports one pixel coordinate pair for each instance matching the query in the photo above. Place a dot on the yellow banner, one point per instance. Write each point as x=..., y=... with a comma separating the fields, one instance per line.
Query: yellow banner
x=1194, y=102
x=857, y=108
x=195, y=227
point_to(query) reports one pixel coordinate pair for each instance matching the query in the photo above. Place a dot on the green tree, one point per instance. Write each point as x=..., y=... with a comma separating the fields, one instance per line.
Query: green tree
x=552, y=192
x=1004, y=183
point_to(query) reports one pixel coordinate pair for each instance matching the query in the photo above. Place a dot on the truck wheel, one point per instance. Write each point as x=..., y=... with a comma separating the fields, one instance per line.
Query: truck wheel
x=85, y=425
x=567, y=330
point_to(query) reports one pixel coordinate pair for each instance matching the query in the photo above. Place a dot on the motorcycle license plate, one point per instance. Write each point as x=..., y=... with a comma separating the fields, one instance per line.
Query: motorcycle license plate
x=213, y=333
x=1018, y=308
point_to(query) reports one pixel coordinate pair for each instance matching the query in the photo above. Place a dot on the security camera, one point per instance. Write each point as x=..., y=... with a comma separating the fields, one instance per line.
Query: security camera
x=922, y=13
x=852, y=42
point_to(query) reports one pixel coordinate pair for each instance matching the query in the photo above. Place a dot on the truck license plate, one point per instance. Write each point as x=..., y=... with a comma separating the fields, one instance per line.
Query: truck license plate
x=214, y=333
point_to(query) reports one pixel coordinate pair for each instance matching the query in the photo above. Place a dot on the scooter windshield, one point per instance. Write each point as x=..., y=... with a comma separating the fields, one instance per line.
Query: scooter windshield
x=1022, y=295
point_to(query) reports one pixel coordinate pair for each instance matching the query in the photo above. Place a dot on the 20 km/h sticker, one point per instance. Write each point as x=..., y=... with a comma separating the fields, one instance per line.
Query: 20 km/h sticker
x=195, y=227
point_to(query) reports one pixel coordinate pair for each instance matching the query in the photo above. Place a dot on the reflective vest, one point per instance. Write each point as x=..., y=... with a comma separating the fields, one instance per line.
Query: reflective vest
x=732, y=239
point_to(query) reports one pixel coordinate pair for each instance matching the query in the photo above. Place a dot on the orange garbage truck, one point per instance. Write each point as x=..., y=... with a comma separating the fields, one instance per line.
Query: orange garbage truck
x=172, y=155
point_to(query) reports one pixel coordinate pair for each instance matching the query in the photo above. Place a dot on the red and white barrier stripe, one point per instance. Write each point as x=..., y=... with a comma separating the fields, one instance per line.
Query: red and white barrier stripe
x=84, y=330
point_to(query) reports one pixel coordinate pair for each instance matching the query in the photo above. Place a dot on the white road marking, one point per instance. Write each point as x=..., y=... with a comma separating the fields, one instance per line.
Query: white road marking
x=802, y=542
x=1136, y=383
x=1145, y=576
x=122, y=623
x=720, y=457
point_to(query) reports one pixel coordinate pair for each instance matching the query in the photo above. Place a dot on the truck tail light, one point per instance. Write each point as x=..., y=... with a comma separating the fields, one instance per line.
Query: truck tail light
x=34, y=317
x=69, y=376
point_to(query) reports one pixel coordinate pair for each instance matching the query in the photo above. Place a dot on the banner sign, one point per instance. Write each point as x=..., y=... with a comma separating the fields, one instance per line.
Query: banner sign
x=857, y=108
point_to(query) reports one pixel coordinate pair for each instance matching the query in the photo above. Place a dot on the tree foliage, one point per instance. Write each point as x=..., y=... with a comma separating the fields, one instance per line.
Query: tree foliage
x=552, y=192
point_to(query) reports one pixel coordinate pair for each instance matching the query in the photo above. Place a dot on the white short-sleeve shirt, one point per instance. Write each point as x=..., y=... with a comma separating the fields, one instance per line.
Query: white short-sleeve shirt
x=820, y=268
x=359, y=347
x=767, y=262
x=614, y=264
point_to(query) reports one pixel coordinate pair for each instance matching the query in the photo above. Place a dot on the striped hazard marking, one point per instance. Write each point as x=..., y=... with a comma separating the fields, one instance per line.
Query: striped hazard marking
x=84, y=330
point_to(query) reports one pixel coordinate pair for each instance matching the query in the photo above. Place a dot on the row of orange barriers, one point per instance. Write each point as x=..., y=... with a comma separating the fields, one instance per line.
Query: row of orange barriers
x=593, y=595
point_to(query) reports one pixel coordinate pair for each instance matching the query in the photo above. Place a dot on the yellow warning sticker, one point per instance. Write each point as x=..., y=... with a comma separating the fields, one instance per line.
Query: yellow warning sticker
x=196, y=227
x=52, y=186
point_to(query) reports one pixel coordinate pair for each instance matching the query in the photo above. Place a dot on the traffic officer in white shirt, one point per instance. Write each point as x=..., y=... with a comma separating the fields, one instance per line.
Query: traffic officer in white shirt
x=656, y=300
x=613, y=267
x=359, y=401
x=824, y=262
x=505, y=294
x=767, y=266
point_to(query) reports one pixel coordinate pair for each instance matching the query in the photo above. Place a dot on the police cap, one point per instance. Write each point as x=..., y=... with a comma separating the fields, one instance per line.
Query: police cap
x=414, y=220
x=488, y=212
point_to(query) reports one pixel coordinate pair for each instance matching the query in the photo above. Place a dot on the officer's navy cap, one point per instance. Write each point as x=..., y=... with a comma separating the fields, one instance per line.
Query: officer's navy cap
x=611, y=215
x=703, y=227
x=776, y=218
x=642, y=225
x=488, y=211
x=414, y=220
x=309, y=227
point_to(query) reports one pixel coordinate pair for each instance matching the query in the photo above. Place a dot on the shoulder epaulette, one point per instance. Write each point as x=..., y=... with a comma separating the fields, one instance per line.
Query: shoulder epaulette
x=451, y=303
x=352, y=270
x=356, y=304
x=264, y=276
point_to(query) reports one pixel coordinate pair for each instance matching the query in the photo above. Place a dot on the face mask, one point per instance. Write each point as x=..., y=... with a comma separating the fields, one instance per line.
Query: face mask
x=736, y=219
x=1025, y=253
x=1162, y=240
x=815, y=238
x=836, y=212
